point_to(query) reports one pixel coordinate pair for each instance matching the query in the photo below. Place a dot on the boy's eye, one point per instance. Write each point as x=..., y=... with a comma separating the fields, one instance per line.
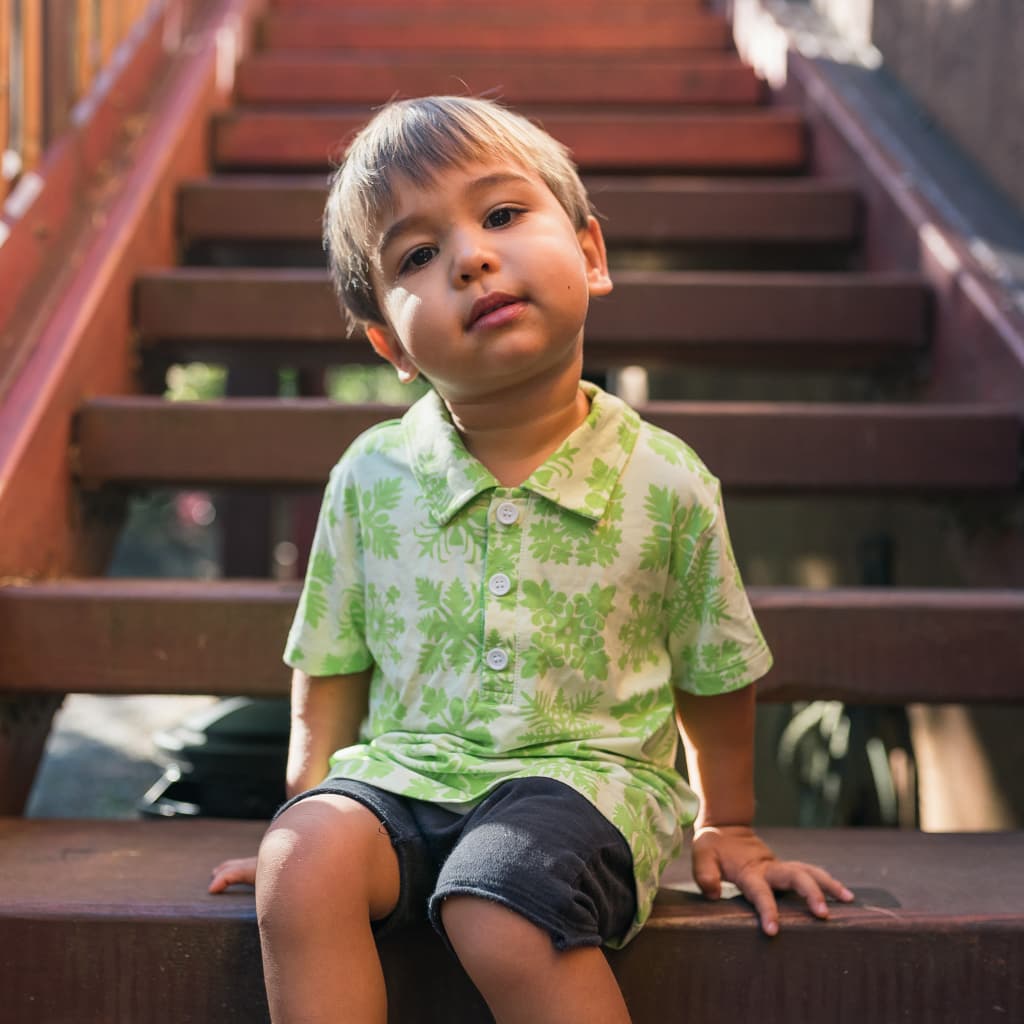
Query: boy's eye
x=417, y=258
x=501, y=216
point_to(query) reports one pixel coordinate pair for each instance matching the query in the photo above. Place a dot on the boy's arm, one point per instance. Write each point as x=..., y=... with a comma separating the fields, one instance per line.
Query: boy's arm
x=718, y=737
x=327, y=712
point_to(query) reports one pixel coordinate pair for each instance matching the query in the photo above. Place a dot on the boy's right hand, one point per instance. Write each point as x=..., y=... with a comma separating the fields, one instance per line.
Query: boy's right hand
x=241, y=871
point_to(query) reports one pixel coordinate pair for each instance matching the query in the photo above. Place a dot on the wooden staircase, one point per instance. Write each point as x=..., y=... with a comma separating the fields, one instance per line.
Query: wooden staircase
x=705, y=179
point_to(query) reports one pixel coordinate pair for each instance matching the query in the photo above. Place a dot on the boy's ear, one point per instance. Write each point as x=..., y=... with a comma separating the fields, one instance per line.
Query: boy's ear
x=388, y=347
x=592, y=244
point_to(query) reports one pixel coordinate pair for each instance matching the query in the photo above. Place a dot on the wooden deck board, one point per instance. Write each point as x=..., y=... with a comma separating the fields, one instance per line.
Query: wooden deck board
x=651, y=211
x=935, y=937
x=770, y=446
x=276, y=78
x=864, y=645
x=656, y=307
x=765, y=141
x=439, y=30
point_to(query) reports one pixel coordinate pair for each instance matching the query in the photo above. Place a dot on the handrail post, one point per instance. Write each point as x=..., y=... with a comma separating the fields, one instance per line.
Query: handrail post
x=5, y=90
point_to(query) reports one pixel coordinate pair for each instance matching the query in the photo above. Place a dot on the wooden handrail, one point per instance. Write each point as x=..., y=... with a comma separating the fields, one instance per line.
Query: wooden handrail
x=49, y=60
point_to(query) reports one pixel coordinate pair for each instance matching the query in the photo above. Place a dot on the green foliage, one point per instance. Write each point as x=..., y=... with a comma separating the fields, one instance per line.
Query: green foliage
x=195, y=382
x=372, y=384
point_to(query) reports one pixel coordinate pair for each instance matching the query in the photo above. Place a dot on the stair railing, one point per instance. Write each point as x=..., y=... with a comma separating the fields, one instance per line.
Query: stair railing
x=50, y=59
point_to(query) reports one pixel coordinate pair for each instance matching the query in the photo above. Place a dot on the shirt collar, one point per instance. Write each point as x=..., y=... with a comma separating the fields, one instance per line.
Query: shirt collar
x=580, y=476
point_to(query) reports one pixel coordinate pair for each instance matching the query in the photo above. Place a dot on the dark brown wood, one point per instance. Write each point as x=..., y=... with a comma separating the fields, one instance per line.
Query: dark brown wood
x=109, y=923
x=768, y=319
x=865, y=646
x=522, y=17
x=426, y=30
x=652, y=211
x=287, y=78
x=583, y=8
x=775, y=447
x=766, y=141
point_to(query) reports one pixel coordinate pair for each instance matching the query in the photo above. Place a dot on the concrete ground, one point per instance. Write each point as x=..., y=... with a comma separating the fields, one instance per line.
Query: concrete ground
x=100, y=758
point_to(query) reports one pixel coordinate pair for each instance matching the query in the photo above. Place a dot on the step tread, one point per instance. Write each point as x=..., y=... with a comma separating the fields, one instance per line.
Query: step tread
x=770, y=139
x=649, y=210
x=289, y=78
x=327, y=30
x=865, y=645
x=95, y=868
x=645, y=306
x=749, y=445
x=937, y=931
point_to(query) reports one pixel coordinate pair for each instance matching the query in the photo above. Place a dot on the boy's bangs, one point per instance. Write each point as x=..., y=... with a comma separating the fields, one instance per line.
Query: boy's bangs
x=420, y=145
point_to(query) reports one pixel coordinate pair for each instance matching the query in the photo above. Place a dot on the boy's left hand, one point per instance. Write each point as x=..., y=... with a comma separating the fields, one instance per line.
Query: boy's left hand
x=735, y=853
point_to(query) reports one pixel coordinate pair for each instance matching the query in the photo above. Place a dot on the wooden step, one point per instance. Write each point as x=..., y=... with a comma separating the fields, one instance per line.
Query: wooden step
x=582, y=8
x=110, y=923
x=494, y=32
x=643, y=211
x=796, y=320
x=759, y=447
x=278, y=78
x=769, y=141
x=522, y=18
x=861, y=645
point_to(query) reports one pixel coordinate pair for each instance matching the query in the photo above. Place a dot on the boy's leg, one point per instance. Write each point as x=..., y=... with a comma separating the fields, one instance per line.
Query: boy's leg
x=537, y=880
x=524, y=979
x=326, y=870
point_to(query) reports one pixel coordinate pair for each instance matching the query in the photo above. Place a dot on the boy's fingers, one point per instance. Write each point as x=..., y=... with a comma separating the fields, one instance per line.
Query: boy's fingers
x=756, y=889
x=797, y=878
x=831, y=885
x=707, y=873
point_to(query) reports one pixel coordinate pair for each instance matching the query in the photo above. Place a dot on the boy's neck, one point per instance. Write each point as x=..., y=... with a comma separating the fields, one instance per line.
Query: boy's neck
x=513, y=432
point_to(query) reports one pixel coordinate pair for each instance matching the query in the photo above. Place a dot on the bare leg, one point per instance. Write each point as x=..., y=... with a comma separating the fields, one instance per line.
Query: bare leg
x=326, y=870
x=524, y=979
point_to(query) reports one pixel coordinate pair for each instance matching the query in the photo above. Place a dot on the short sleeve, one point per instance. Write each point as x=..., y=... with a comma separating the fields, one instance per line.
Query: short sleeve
x=328, y=635
x=714, y=640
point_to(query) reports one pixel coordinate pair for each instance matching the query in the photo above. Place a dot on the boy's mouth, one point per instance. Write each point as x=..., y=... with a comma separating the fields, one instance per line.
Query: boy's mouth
x=493, y=309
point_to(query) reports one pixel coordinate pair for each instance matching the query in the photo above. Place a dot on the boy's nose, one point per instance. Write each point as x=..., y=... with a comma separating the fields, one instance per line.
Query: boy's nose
x=473, y=260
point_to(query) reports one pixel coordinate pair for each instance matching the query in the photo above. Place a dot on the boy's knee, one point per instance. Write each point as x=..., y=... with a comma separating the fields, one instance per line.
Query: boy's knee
x=325, y=856
x=494, y=943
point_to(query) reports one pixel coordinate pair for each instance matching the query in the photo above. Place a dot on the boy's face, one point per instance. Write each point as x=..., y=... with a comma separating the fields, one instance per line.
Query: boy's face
x=483, y=281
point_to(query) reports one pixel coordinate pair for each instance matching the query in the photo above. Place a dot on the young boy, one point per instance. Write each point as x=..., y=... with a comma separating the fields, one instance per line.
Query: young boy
x=515, y=594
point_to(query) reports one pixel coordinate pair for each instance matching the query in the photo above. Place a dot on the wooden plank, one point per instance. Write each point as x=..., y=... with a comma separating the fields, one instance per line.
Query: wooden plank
x=286, y=78
x=795, y=321
x=860, y=645
x=84, y=49
x=584, y=8
x=657, y=211
x=59, y=93
x=492, y=32
x=5, y=87
x=31, y=141
x=936, y=934
x=767, y=141
x=522, y=16
x=646, y=307
x=771, y=447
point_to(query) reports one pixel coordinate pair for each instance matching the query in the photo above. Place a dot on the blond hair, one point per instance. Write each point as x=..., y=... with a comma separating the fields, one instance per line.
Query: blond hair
x=417, y=139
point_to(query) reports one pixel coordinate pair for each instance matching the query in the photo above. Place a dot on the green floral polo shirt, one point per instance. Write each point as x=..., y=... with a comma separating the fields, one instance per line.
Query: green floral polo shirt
x=529, y=631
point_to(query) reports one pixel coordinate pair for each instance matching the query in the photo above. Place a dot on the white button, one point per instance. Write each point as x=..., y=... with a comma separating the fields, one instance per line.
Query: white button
x=507, y=513
x=499, y=584
x=496, y=658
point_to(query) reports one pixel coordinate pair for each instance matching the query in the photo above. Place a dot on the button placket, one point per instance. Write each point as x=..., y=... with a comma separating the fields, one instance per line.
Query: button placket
x=504, y=540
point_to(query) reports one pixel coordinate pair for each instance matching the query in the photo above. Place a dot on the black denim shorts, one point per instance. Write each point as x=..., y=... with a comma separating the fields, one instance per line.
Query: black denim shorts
x=534, y=845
